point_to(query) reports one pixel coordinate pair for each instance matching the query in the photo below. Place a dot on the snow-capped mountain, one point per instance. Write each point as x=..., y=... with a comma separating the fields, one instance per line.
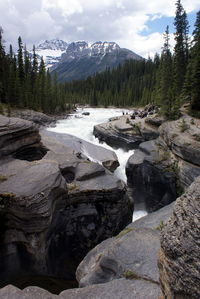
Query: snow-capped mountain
x=51, y=51
x=77, y=60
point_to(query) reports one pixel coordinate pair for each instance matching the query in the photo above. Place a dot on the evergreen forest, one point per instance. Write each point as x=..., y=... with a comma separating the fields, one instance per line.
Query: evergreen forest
x=168, y=80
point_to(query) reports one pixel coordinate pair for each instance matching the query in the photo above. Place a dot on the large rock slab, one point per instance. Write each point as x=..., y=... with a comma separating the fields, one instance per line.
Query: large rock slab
x=125, y=133
x=133, y=253
x=95, y=153
x=180, y=247
x=126, y=263
x=118, y=289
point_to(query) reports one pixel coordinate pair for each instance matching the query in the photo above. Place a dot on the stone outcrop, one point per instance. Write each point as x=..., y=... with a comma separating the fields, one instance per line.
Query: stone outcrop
x=124, y=266
x=180, y=247
x=126, y=133
x=150, y=174
x=85, y=149
x=118, y=289
x=162, y=169
x=36, y=117
x=183, y=138
x=53, y=209
x=19, y=136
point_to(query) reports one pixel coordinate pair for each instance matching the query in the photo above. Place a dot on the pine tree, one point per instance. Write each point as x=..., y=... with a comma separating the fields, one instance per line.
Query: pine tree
x=181, y=48
x=20, y=61
x=165, y=77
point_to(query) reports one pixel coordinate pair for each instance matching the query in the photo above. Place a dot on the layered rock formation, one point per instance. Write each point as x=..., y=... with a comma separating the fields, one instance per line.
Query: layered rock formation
x=126, y=133
x=85, y=149
x=180, y=247
x=54, y=207
x=16, y=135
x=161, y=170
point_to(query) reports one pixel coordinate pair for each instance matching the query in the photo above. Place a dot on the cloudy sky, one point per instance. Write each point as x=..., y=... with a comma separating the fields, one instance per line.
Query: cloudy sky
x=134, y=24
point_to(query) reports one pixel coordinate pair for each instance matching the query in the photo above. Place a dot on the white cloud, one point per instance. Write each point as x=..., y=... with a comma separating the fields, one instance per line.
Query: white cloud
x=122, y=21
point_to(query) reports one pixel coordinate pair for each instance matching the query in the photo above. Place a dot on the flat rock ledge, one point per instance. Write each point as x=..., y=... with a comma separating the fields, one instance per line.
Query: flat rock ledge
x=126, y=133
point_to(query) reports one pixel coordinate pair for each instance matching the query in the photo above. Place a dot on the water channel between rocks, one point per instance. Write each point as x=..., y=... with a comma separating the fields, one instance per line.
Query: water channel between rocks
x=81, y=126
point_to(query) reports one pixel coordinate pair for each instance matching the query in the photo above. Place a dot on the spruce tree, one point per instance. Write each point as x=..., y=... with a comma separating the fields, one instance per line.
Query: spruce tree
x=20, y=61
x=165, y=77
x=181, y=48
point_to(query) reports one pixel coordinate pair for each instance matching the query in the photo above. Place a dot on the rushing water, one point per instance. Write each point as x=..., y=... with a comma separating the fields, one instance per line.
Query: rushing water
x=82, y=126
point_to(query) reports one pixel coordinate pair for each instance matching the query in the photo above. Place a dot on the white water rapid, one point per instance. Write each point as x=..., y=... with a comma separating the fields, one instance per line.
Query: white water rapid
x=82, y=126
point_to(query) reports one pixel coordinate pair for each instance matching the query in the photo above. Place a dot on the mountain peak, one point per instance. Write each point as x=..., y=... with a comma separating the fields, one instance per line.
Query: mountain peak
x=86, y=58
x=53, y=44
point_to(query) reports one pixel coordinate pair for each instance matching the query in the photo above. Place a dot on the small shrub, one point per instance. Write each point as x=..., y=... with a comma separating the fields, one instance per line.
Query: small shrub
x=160, y=226
x=137, y=128
x=3, y=178
x=183, y=126
x=127, y=121
x=128, y=274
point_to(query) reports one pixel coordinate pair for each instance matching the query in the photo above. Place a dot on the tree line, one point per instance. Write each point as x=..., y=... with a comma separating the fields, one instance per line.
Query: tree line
x=168, y=80
x=25, y=83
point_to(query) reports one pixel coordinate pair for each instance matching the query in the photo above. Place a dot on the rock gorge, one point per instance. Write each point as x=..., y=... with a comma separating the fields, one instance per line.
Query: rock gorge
x=56, y=205
x=164, y=166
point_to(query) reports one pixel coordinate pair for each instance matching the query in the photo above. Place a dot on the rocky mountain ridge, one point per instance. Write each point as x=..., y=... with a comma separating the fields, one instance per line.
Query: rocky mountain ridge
x=77, y=60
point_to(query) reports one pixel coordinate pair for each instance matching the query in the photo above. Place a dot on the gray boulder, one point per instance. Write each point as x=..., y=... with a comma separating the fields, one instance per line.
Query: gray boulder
x=118, y=289
x=84, y=149
x=132, y=254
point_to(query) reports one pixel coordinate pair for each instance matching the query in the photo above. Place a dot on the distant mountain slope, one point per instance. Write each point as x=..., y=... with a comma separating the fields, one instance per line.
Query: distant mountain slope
x=82, y=60
x=78, y=60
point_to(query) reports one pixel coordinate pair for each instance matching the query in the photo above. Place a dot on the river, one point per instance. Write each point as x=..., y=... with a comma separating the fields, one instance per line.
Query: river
x=82, y=126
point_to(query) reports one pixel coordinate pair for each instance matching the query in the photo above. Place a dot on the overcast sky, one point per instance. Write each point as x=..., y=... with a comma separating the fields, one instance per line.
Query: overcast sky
x=134, y=24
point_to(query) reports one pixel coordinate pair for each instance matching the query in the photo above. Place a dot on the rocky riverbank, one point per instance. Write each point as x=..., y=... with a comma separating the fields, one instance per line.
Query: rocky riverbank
x=128, y=131
x=160, y=170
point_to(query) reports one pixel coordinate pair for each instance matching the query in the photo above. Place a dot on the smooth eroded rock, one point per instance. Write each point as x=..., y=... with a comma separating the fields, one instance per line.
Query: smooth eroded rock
x=180, y=247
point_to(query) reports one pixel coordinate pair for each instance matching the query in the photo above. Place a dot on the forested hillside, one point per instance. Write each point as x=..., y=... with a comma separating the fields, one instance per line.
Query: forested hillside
x=24, y=82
